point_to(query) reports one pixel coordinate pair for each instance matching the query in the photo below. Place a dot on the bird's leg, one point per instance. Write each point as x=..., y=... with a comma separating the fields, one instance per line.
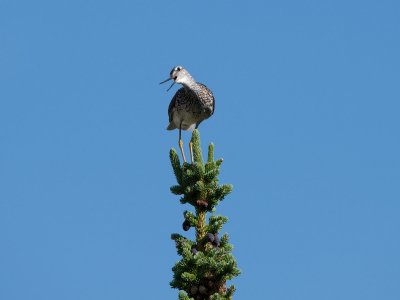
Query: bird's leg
x=180, y=147
x=181, y=143
x=191, y=151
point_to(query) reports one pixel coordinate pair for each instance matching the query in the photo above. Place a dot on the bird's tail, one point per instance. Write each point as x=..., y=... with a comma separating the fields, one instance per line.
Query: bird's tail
x=171, y=126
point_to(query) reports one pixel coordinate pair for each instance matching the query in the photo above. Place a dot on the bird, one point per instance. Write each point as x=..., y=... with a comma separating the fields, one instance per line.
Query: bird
x=192, y=104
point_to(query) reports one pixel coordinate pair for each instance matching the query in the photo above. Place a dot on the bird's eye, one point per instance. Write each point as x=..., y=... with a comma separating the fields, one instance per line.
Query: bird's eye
x=178, y=68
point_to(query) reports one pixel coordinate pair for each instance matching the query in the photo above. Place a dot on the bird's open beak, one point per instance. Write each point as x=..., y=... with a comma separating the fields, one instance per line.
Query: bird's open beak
x=166, y=81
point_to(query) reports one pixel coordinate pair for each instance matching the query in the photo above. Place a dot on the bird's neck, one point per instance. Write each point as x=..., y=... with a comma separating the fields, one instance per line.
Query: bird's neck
x=189, y=83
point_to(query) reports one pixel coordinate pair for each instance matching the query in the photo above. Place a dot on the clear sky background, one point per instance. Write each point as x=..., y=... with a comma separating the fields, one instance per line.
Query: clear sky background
x=307, y=121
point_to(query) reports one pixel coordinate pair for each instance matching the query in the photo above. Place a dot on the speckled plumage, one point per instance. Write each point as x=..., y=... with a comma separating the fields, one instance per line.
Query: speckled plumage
x=191, y=104
x=190, y=107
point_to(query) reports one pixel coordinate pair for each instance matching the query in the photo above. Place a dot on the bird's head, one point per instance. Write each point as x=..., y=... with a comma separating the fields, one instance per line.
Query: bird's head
x=179, y=75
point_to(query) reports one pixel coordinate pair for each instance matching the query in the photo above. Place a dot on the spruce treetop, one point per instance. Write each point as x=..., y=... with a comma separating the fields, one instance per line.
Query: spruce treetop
x=207, y=262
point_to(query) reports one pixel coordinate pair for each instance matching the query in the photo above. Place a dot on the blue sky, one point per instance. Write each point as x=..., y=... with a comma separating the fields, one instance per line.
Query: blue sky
x=307, y=120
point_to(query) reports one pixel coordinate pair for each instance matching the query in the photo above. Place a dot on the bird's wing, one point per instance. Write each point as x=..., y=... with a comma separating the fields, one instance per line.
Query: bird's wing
x=180, y=94
x=210, y=96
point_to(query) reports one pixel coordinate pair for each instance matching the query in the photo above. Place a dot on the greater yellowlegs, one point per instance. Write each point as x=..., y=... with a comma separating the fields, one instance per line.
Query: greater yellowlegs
x=191, y=104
